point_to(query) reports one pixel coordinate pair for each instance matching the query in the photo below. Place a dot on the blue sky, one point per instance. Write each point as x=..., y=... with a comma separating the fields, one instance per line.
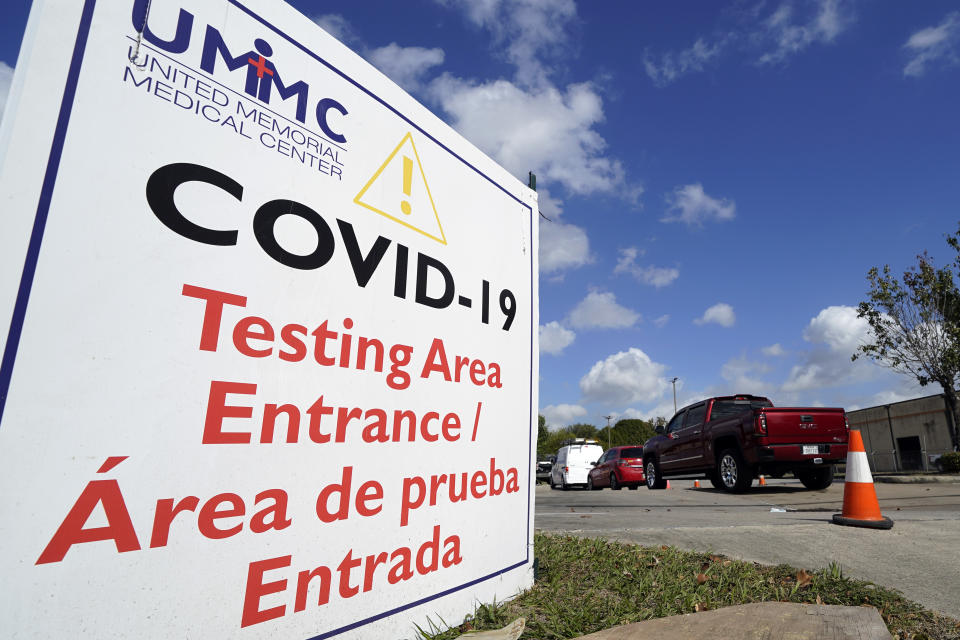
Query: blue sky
x=718, y=176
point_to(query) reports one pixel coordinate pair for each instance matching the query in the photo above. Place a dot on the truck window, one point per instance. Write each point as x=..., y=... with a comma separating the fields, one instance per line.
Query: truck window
x=676, y=423
x=695, y=416
x=727, y=408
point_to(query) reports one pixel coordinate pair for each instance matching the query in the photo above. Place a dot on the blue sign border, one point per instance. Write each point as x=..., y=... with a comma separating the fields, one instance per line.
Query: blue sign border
x=43, y=210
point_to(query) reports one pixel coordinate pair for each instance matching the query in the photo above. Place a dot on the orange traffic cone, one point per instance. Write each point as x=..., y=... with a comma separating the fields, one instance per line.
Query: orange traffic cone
x=696, y=484
x=668, y=484
x=763, y=482
x=860, y=506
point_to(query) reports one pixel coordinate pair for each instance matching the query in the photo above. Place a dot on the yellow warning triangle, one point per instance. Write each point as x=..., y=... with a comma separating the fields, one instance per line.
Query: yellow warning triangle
x=399, y=191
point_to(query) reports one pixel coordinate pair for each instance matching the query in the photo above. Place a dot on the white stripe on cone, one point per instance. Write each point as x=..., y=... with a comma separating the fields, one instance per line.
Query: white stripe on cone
x=858, y=468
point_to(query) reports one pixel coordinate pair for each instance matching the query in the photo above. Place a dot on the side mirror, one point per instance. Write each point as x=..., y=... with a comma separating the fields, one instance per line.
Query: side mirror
x=659, y=429
x=593, y=464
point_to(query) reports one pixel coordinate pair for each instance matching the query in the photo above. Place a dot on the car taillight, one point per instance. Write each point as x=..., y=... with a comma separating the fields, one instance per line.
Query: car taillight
x=846, y=423
x=762, y=424
x=623, y=463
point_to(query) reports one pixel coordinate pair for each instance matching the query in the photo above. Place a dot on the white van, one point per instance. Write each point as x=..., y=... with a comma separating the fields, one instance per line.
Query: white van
x=574, y=461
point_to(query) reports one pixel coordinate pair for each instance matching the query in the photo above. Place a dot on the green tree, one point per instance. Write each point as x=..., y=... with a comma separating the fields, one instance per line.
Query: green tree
x=542, y=434
x=583, y=430
x=554, y=441
x=632, y=431
x=626, y=431
x=915, y=325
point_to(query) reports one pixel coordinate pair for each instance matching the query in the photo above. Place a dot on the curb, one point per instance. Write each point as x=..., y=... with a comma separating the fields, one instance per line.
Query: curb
x=916, y=479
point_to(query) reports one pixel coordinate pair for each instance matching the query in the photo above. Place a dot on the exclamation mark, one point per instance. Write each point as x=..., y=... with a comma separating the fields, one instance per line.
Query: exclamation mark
x=407, y=180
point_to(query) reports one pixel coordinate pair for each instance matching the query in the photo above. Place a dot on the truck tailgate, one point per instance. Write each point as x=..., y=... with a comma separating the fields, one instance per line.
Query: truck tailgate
x=788, y=425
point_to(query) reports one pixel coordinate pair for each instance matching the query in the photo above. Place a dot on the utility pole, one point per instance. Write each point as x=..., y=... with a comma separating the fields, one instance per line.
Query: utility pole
x=608, y=430
x=674, y=383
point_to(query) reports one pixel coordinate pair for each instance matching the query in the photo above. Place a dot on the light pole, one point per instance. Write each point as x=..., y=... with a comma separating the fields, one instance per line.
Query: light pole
x=608, y=430
x=674, y=383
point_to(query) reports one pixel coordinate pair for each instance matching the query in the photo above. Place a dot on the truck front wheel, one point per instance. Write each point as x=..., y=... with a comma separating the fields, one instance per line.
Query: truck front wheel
x=816, y=479
x=715, y=480
x=733, y=473
x=654, y=481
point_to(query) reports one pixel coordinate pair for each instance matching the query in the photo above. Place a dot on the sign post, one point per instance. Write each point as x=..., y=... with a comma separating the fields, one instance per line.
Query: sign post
x=271, y=362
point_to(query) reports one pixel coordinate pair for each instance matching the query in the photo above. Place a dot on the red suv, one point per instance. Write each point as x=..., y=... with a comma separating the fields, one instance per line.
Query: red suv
x=617, y=468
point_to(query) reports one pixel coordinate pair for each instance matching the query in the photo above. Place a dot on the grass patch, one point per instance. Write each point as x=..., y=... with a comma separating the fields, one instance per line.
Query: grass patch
x=586, y=585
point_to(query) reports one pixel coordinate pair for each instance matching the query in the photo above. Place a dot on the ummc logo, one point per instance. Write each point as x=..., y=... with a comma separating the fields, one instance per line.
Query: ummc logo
x=263, y=80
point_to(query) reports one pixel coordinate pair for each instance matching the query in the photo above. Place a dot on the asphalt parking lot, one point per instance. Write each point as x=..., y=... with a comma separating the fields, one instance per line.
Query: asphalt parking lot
x=783, y=523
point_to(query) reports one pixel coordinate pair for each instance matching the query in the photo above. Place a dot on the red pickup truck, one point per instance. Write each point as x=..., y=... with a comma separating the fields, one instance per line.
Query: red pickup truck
x=734, y=439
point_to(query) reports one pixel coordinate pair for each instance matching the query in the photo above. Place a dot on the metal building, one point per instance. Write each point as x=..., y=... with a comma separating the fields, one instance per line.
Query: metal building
x=905, y=436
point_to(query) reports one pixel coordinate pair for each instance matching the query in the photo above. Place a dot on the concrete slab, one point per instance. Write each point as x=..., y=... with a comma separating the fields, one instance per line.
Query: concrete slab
x=759, y=621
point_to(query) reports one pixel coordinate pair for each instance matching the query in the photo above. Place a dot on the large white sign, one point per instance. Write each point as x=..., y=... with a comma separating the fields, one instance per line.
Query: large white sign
x=271, y=361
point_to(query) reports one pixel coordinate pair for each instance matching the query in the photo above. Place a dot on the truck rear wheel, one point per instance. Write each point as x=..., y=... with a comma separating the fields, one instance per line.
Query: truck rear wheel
x=732, y=472
x=816, y=479
x=654, y=481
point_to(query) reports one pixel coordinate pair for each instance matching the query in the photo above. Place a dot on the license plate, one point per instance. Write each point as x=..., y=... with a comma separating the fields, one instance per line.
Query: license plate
x=810, y=449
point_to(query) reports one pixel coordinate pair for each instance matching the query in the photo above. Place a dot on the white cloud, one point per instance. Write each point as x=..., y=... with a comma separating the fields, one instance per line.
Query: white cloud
x=828, y=369
x=337, y=26
x=554, y=338
x=562, y=246
x=810, y=375
x=662, y=321
x=6, y=77
x=626, y=377
x=744, y=376
x=627, y=414
x=527, y=122
x=691, y=205
x=789, y=36
x=772, y=38
x=524, y=31
x=720, y=313
x=774, y=350
x=664, y=408
x=933, y=44
x=839, y=328
x=835, y=332
x=562, y=415
x=544, y=129
x=599, y=310
x=656, y=276
x=899, y=388
x=405, y=65
x=673, y=65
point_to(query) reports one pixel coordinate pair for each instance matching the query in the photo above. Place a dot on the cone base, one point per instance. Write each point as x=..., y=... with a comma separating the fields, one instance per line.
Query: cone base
x=882, y=523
